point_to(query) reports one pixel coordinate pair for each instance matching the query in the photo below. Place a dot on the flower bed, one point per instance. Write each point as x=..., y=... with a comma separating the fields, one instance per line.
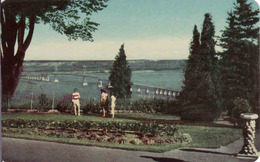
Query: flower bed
x=119, y=132
x=125, y=137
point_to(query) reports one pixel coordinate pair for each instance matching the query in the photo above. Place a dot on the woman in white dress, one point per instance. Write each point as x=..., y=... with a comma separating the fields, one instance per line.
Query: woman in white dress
x=113, y=105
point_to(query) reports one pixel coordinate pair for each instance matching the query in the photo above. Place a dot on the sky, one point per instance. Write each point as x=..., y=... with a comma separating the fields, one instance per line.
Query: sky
x=150, y=29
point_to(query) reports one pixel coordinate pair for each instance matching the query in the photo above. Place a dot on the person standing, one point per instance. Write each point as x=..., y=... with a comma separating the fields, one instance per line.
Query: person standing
x=113, y=105
x=75, y=100
x=104, y=101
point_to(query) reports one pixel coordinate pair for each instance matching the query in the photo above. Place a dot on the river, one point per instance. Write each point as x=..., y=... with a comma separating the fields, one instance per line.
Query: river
x=167, y=79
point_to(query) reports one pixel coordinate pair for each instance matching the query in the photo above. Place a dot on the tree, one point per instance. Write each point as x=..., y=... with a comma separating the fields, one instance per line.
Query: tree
x=240, y=59
x=18, y=18
x=201, y=89
x=189, y=93
x=209, y=80
x=120, y=76
x=230, y=82
x=208, y=53
x=246, y=19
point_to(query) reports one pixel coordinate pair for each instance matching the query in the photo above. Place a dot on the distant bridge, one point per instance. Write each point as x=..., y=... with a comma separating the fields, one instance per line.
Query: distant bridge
x=139, y=87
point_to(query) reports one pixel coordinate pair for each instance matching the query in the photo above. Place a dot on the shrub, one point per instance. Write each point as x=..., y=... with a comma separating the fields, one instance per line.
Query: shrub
x=43, y=100
x=152, y=105
x=64, y=104
x=240, y=106
x=141, y=105
x=198, y=112
x=186, y=138
x=130, y=133
x=91, y=106
x=123, y=104
x=152, y=128
x=25, y=106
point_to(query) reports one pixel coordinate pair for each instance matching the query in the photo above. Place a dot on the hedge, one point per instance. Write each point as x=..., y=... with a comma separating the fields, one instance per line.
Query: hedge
x=152, y=128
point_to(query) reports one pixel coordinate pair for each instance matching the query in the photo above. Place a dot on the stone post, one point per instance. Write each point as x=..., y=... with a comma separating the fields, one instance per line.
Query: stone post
x=248, y=126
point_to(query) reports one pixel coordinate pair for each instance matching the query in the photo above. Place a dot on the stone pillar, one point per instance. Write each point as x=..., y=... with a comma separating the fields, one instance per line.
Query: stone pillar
x=248, y=126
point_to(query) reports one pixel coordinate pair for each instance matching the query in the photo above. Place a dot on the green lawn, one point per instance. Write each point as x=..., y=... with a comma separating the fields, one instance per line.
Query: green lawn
x=210, y=137
x=60, y=117
x=202, y=136
x=149, y=116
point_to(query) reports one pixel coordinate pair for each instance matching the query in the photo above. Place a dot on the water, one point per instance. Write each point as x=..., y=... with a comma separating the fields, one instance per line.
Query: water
x=168, y=79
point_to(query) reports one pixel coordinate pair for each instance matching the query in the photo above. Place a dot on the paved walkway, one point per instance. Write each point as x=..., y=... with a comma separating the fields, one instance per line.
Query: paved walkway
x=31, y=150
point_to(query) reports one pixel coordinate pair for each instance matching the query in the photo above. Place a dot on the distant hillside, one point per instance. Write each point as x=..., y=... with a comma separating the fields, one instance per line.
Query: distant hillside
x=100, y=65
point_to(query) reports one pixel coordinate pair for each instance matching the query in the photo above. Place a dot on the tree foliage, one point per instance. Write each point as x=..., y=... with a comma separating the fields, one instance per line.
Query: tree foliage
x=209, y=64
x=240, y=59
x=245, y=20
x=201, y=89
x=192, y=73
x=18, y=18
x=120, y=76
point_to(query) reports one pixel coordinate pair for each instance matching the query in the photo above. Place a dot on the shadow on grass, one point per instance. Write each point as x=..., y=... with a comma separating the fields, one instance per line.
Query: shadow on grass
x=162, y=159
x=209, y=152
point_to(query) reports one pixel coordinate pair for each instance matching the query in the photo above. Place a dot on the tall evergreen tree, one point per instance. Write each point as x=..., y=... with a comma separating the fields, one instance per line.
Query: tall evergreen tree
x=120, y=76
x=240, y=59
x=245, y=19
x=209, y=67
x=200, y=91
x=229, y=36
x=230, y=84
x=188, y=94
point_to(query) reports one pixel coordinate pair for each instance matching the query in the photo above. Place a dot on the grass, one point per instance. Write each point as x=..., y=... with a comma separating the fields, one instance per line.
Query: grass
x=202, y=136
x=150, y=116
x=60, y=117
x=210, y=137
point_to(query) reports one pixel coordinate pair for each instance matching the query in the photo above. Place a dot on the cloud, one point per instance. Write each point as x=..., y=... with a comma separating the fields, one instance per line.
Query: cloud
x=106, y=50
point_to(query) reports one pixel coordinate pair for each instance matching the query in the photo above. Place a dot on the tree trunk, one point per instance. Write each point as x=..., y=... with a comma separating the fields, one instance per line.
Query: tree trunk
x=12, y=59
x=11, y=72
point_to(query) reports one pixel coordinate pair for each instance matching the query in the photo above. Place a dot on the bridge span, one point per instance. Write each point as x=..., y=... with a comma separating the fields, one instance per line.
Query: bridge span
x=101, y=83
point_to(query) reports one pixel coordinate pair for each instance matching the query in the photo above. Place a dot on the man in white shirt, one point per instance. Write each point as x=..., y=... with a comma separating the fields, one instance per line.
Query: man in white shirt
x=75, y=100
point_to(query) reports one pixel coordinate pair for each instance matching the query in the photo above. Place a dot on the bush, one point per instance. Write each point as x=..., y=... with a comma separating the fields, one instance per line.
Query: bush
x=186, y=138
x=43, y=100
x=123, y=104
x=92, y=106
x=152, y=128
x=24, y=106
x=64, y=104
x=142, y=105
x=152, y=105
x=198, y=112
x=240, y=106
